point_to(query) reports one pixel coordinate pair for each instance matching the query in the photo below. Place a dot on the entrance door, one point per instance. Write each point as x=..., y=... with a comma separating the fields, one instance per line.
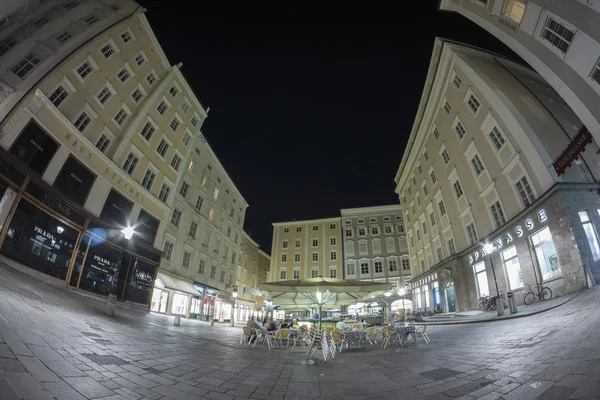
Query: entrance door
x=450, y=301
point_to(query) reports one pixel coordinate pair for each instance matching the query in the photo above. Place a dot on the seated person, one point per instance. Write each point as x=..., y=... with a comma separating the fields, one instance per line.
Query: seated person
x=270, y=325
x=361, y=324
x=340, y=325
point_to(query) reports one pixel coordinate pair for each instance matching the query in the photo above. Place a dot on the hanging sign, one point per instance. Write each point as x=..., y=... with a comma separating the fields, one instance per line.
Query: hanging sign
x=573, y=150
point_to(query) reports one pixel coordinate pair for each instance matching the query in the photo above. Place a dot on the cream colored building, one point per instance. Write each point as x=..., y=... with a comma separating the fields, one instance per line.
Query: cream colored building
x=250, y=274
x=478, y=170
x=99, y=132
x=306, y=249
x=559, y=39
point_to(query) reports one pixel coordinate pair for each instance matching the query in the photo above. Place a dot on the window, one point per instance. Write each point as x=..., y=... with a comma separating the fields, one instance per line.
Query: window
x=447, y=108
x=126, y=36
x=123, y=74
x=332, y=241
x=525, y=191
x=497, y=138
x=216, y=193
x=201, y=266
x=130, y=163
x=163, y=195
x=513, y=268
x=498, y=214
x=186, y=139
x=595, y=73
x=436, y=134
x=296, y=274
x=296, y=257
x=176, y=217
x=104, y=94
x=315, y=227
x=388, y=230
x=350, y=268
x=314, y=273
x=451, y=247
x=331, y=226
x=557, y=35
x=472, y=233
x=348, y=232
x=426, y=155
x=121, y=117
x=148, y=180
x=82, y=121
x=176, y=162
x=168, y=249
x=185, y=187
x=374, y=230
x=199, y=202
x=378, y=267
x=481, y=279
x=58, y=96
x=315, y=256
x=184, y=107
x=23, y=67
x=405, y=265
x=515, y=9
x=194, y=121
x=433, y=178
x=425, y=191
x=213, y=272
x=393, y=265
x=175, y=124
x=107, y=50
x=440, y=255
x=139, y=59
x=432, y=218
x=333, y=273
x=71, y=5
x=361, y=232
x=418, y=235
x=460, y=130
x=362, y=248
x=6, y=45
x=424, y=228
x=284, y=258
x=458, y=189
x=102, y=143
x=41, y=22
x=545, y=253
x=298, y=229
x=333, y=255
x=473, y=103
x=147, y=131
x=477, y=165
x=174, y=90
x=163, y=147
x=151, y=78
x=297, y=243
x=91, y=20
x=457, y=81
x=193, y=229
x=364, y=267
x=222, y=279
x=445, y=156
x=64, y=37
x=137, y=95
x=590, y=232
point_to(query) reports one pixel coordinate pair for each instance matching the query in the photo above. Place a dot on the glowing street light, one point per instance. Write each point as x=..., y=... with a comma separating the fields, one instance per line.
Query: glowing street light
x=128, y=232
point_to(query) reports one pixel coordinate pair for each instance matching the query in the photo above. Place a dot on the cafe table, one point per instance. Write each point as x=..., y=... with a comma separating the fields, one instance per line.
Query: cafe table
x=358, y=337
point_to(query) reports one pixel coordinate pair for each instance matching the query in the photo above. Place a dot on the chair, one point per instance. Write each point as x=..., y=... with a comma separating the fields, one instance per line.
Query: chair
x=336, y=336
x=317, y=341
x=263, y=336
x=281, y=335
x=388, y=335
x=246, y=334
x=422, y=330
x=371, y=335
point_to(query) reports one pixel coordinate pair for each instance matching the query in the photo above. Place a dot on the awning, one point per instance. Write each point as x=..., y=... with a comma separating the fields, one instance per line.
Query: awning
x=173, y=283
x=252, y=291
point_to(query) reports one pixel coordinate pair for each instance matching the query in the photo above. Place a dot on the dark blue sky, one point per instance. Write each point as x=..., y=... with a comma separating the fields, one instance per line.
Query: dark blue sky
x=310, y=107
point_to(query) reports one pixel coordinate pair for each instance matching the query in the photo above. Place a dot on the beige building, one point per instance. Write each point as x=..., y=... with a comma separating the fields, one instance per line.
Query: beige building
x=478, y=169
x=559, y=39
x=105, y=173
x=251, y=272
x=306, y=249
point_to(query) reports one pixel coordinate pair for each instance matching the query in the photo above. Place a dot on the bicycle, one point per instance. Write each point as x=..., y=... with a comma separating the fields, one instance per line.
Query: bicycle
x=543, y=293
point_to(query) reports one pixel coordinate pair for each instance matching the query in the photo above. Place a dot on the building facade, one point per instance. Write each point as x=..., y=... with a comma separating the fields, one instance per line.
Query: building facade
x=101, y=150
x=559, y=39
x=250, y=274
x=478, y=169
x=306, y=249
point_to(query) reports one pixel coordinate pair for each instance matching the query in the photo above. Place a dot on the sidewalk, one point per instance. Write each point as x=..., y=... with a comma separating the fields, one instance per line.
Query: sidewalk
x=469, y=317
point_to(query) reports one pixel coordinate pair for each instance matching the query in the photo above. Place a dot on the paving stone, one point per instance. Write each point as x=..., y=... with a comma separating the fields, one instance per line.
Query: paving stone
x=24, y=385
x=88, y=387
x=7, y=392
x=38, y=370
x=62, y=391
x=5, y=351
x=529, y=390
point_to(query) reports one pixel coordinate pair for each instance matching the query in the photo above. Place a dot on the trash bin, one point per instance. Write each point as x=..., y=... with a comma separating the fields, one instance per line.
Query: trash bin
x=512, y=302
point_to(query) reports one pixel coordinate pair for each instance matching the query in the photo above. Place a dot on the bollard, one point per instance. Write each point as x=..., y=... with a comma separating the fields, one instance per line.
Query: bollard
x=500, y=306
x=176, y=321
x=111, y=302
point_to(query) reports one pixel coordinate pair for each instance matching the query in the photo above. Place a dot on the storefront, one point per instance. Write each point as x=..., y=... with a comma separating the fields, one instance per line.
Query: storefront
x=425, y=291
x=223, y=307
x=173, y=295
x=46, y=228
x=207, y=307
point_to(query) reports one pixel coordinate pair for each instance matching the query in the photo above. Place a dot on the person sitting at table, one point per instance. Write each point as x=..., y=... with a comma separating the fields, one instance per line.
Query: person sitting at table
x=361, y=324
x=252, y=324
x=270, y=325
x=340, y=325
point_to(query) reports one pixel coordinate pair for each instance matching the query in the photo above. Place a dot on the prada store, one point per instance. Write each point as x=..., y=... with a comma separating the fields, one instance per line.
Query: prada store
x=46, y=228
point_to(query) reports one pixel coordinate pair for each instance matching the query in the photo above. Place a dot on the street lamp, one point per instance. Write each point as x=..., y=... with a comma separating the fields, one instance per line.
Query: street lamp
x=111, y=302
x=489, y=249
x=234, y=293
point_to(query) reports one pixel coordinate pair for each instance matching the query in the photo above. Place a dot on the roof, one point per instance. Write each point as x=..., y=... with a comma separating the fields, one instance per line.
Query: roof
x=393, y=208
x=308, y=221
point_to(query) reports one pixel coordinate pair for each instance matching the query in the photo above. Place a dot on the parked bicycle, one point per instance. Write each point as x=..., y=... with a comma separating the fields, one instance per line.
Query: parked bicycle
x=543, y=293
x=488, y=303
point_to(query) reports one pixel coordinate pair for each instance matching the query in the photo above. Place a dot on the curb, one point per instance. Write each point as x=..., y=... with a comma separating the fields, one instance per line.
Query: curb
x=505, y=318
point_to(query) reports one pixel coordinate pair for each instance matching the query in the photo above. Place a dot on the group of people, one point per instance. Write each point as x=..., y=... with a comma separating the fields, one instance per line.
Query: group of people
x=268, y=325
x=360, y=324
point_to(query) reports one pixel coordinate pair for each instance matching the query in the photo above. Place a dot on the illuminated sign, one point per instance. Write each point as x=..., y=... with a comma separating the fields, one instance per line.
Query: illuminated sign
x=507, y=238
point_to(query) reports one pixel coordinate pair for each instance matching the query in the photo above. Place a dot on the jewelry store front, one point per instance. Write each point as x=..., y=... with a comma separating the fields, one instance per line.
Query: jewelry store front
x=45, y=228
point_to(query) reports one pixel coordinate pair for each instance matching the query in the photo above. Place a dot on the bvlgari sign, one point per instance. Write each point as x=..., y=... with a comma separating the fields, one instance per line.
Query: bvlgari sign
x=573, y=150
x=508, y=237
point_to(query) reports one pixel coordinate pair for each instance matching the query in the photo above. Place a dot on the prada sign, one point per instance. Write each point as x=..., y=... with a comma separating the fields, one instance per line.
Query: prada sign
x=34, y=148
x=75, y=181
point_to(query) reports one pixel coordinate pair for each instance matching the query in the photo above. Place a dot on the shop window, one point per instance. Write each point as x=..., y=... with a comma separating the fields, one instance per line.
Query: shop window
x=513, y=268
x=116, y=209
x=179, y=304
x=545, y=253
x=40, y=241
x=34, y=147
x=101, y=267
x=140, y=279
x=74, y=181
x=590, y=232
x=481, y=279
x=159, y=300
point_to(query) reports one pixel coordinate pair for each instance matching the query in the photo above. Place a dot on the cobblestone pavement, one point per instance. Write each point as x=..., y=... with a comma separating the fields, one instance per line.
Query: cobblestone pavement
x=58, y=344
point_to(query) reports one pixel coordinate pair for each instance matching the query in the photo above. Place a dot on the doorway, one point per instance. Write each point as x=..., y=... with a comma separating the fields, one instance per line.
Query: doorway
x=450, y=300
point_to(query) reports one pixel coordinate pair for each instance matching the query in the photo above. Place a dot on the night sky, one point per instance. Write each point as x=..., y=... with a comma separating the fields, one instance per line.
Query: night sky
x=310, y=107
